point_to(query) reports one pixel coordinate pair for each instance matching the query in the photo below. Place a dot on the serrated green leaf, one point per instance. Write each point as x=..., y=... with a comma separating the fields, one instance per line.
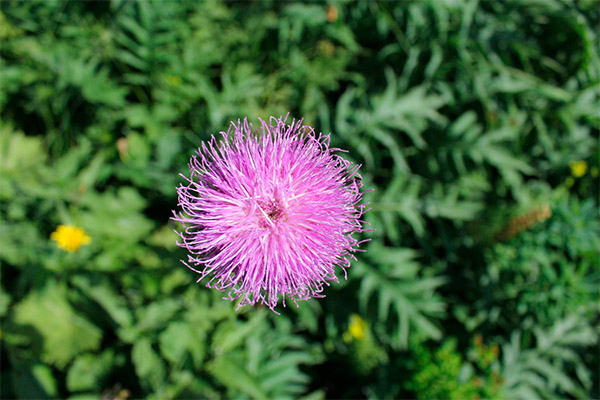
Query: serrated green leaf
x=148, y=365
x=179, y=339
x=108, y=298
x=49, y=312
x=88, y=370
x=231, y=374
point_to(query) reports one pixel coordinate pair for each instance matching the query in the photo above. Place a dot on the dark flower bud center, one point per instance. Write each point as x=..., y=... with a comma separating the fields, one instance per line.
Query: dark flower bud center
x=270, y=211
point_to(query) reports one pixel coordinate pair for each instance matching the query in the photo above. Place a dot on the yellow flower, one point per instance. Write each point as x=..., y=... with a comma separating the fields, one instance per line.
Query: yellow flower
x=357, y=327
x=70, y=238
x=578, y=168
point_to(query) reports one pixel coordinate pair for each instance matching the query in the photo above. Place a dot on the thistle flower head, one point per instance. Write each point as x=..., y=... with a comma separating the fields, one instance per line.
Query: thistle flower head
x=269, y=212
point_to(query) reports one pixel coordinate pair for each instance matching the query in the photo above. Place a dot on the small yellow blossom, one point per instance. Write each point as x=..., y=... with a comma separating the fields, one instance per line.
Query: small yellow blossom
x=70, y=238
x=578, y=168
x=357, y=327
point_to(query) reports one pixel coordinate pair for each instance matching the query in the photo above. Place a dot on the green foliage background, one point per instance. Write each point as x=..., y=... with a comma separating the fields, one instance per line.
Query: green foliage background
x=467, y=117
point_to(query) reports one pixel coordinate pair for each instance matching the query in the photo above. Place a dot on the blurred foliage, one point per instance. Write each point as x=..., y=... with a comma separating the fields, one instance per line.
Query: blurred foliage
x=477, y=125
x=445, y=375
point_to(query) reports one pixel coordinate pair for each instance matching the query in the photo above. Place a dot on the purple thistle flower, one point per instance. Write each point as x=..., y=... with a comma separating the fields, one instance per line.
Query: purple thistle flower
x=270, y=211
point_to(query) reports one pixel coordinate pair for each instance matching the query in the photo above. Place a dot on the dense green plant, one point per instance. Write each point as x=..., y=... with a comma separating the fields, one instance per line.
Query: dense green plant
x=445, y=375
x=477, y=126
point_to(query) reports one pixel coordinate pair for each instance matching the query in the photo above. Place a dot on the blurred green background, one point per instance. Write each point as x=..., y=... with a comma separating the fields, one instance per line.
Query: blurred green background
x=477, y=124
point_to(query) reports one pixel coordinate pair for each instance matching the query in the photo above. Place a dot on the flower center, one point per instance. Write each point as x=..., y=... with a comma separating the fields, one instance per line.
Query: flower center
x=269, y=212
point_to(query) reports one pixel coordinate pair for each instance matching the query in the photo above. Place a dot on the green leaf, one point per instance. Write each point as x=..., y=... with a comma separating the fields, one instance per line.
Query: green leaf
x=108, y=298
x=34, y=382
x=229, y=372
x=88, y=370
x=4, y=301
x=231, y=333
x=49, y=312
x=18, y=152
x=392, y=276
x=157, y=314
x=179, y=339
x=541, y=371
x=148, y=365
x=116, y=217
